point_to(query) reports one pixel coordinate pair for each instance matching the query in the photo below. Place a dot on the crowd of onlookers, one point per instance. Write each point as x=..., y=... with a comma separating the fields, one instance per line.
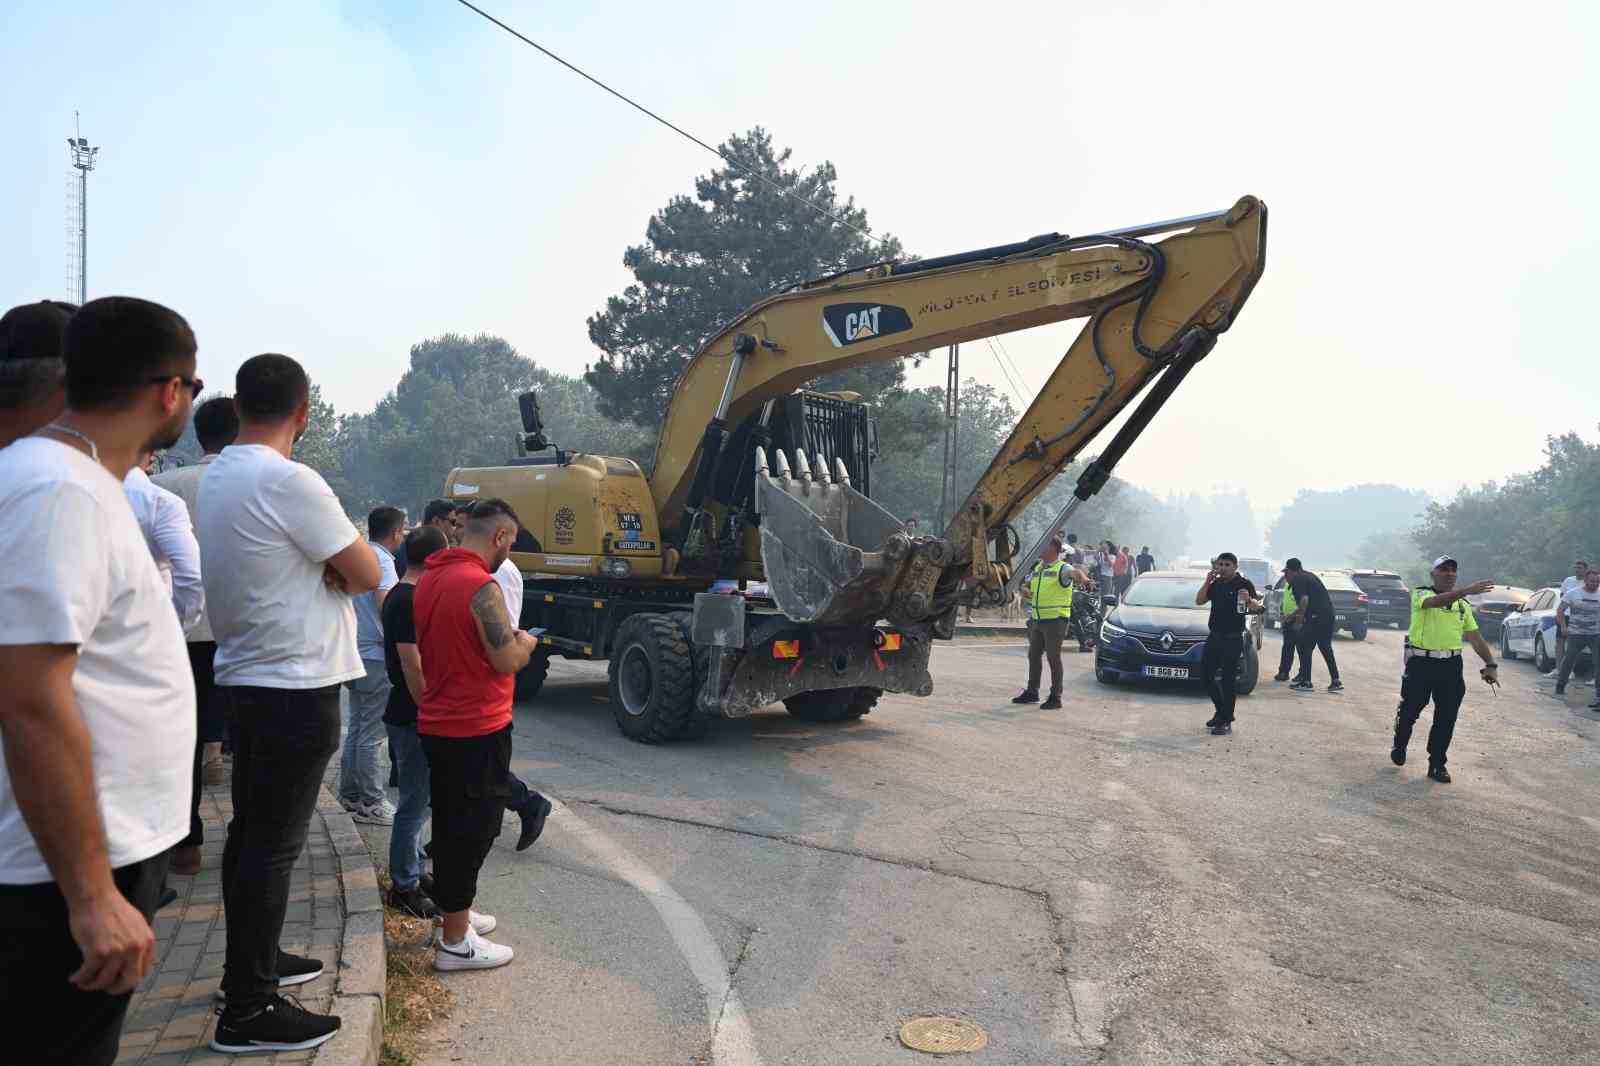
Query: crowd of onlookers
x=152, y=627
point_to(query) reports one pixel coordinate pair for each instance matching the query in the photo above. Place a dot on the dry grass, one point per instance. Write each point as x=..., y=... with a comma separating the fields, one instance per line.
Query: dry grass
x=417, y=999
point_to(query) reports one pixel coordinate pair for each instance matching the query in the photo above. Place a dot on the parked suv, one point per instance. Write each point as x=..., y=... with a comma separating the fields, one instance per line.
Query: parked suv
x=1388, y=598
x=1350, y=604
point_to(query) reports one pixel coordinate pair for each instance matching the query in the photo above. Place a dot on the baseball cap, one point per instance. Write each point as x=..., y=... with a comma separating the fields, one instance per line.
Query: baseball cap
x=1293, y=564
x=1445, y=560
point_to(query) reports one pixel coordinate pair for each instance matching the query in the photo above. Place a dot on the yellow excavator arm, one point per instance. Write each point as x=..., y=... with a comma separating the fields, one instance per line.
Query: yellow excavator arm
x=1155, y=309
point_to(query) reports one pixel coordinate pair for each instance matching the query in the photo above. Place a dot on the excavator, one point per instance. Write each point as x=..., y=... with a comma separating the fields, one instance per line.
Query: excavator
x=752, y=566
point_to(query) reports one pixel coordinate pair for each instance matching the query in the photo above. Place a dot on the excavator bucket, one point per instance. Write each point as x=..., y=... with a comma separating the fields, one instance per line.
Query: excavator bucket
x=830, y=554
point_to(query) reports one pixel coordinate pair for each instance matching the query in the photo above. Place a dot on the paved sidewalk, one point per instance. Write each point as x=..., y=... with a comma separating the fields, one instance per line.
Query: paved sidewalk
x=334, y=915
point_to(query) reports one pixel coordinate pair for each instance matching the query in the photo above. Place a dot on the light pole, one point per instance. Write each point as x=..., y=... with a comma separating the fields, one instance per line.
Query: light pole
x=83, y=160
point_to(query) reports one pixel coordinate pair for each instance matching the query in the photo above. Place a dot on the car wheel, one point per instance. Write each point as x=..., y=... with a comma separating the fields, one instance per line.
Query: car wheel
x=1104, y=676
x=1542, y=661
x=1359, y=631
x=1505, y=647
x=1249, y=672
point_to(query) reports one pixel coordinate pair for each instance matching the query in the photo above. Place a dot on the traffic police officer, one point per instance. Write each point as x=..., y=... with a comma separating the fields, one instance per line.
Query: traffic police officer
x=1049, y=601
x=1291, y=632
x=1440, y=618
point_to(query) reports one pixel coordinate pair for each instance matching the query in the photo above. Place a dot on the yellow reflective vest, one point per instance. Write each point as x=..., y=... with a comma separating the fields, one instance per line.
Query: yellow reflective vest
x=1290, y=605
x=1049, y=598
x=1438, y=628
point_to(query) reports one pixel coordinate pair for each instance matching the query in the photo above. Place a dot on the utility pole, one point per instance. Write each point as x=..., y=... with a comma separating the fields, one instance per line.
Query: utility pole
x=83, y=161
x=952, y=431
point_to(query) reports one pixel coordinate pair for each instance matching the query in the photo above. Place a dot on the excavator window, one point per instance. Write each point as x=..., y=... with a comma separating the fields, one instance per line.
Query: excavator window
x=821, y=424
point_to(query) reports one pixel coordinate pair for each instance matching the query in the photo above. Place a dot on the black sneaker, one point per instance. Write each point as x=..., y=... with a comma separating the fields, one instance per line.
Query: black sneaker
x=1336, y=685
x=292, y=970
x=1561, y=690
x=282, y=1025
x=414, y=902
x=533, y=816
x=1213, y=720
x=1302, y=686
x=1397, y=756
x=1439, y=774
x=1280, y=677
x=1027, y=695
x=1222, y=729
x=1051, y=703
x=425, y=883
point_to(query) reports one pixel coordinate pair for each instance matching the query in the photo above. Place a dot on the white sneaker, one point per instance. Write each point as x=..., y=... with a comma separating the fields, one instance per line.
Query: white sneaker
x=374, y=814
x=473, y=953
x=482, y=924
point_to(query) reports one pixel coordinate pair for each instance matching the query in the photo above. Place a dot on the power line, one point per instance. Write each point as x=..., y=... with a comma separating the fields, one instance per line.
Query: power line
x=674, y=128
x=1020, y=377
x=1009, y=382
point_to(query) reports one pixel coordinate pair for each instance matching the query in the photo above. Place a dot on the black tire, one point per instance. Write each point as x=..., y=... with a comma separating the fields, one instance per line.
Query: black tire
x=651, y=677
x=1102, y=676
x=1542, y=660
x=1249, y=672
x=530, y=679
x=834, y=704
x=1359, y=631
x=1505, y=649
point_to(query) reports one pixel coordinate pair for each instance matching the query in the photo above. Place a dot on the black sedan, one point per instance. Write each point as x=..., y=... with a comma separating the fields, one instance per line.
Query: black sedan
x=1156, y=632
x=1492, y=607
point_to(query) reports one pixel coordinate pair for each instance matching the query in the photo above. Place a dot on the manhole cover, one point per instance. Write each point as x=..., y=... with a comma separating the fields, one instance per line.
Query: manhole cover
x=942, y=1036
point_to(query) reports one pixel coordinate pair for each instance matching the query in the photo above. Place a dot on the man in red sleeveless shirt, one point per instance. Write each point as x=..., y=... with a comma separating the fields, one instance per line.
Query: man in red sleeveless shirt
x=472, y=651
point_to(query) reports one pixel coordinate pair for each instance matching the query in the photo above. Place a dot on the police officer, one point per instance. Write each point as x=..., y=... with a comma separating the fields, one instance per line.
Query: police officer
x=1291, y=632
x=1440, y=618
x=1048, y=595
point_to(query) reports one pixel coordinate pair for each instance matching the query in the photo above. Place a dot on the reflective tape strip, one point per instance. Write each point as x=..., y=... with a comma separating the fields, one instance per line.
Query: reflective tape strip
x=785, y=649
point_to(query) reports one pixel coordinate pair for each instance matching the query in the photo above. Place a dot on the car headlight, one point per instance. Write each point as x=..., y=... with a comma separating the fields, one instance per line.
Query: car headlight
x=1109, y=631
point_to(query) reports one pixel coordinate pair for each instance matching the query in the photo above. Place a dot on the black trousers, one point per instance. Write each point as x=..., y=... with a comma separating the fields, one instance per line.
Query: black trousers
x=1291, y=641
x=210, y=728
x=1442, y=682
x=1317, y=632
x=1044, y=642
x=46, y=1020
x=1219, y=665
x=283, y=739
x=470, y=789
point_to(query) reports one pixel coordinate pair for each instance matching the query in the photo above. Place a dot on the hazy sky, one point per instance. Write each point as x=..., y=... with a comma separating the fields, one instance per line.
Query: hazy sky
x=340, y=180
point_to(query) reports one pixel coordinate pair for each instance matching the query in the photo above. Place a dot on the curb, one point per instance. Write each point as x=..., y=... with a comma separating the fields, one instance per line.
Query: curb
x=965, y=630
x=359, y=993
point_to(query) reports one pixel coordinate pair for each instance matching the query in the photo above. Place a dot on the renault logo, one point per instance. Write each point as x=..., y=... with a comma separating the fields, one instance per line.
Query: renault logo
x=1167, y=640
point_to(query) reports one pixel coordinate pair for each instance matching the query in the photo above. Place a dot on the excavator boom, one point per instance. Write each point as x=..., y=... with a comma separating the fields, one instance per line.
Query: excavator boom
x=831, y=555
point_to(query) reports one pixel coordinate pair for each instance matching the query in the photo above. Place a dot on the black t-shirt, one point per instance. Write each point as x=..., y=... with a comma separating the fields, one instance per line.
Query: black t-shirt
x=1308, y=586
x=1225, y=616
x=1145, y=562
x=399, y=627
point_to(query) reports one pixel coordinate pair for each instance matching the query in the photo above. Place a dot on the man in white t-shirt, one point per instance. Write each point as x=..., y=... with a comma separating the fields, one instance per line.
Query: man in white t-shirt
x=97, y=725
x=281, y=562
x=1578, y=624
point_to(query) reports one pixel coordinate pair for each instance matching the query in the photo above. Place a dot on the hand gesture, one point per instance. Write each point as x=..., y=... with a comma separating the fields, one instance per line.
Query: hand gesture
x=118, y=945
x=1478, y=589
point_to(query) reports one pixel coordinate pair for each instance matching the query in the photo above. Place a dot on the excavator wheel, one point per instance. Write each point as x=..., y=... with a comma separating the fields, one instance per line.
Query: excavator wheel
x=834, y=704
x=530, y=679
x=651, y=679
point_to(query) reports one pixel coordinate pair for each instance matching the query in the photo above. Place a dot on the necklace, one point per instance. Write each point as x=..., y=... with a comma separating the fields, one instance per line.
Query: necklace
x=94, y=453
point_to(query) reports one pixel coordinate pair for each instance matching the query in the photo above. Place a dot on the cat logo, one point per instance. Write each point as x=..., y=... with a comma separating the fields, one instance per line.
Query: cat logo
x=847, y=324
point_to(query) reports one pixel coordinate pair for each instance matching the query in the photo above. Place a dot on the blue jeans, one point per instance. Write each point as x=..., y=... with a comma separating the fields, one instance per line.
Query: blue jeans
x=405, y=843
x=361, y=776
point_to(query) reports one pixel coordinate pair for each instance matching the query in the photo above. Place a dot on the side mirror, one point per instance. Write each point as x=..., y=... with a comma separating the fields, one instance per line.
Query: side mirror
x=1108, y=602
x=532, y=422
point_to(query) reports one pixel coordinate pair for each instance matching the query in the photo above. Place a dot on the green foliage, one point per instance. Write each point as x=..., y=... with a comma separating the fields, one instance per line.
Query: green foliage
x=1528, y=530
x=1325, y=528
x=708, y=257
x=907, y=476
x=456, y=406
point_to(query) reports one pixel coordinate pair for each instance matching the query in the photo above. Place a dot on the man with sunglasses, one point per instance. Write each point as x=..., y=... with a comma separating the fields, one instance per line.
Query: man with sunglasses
x=1440, y=619
x=98, y=722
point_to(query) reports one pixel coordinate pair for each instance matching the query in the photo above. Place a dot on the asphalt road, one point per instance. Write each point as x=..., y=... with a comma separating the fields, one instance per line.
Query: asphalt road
x=1103, y=883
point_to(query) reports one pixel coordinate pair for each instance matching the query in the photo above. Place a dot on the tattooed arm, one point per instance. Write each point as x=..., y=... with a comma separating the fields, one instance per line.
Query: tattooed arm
x=507, y=647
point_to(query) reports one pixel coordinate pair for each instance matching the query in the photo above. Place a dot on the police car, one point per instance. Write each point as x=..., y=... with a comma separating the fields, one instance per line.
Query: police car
x=1532, y=632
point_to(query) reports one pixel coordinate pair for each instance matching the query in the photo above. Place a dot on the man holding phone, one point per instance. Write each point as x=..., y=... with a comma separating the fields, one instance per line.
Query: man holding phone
x=1232, y=596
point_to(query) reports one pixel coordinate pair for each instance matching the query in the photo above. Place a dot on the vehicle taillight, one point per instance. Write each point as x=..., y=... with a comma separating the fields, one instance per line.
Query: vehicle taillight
x=1361, y=598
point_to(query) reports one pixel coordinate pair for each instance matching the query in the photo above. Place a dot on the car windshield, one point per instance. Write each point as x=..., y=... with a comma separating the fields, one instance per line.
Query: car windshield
x=1173, y=591
x=1336, y=579
x=1502, y=594
x=1380, y=583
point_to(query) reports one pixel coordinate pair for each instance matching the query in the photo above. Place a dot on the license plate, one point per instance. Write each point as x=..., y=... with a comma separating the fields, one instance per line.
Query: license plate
x=1380, y=603
x=1179, y=672
x=1338, y=618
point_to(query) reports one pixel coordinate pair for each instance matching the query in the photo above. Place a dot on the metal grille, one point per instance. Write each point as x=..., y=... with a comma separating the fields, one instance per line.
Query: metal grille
x=1180, y=645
